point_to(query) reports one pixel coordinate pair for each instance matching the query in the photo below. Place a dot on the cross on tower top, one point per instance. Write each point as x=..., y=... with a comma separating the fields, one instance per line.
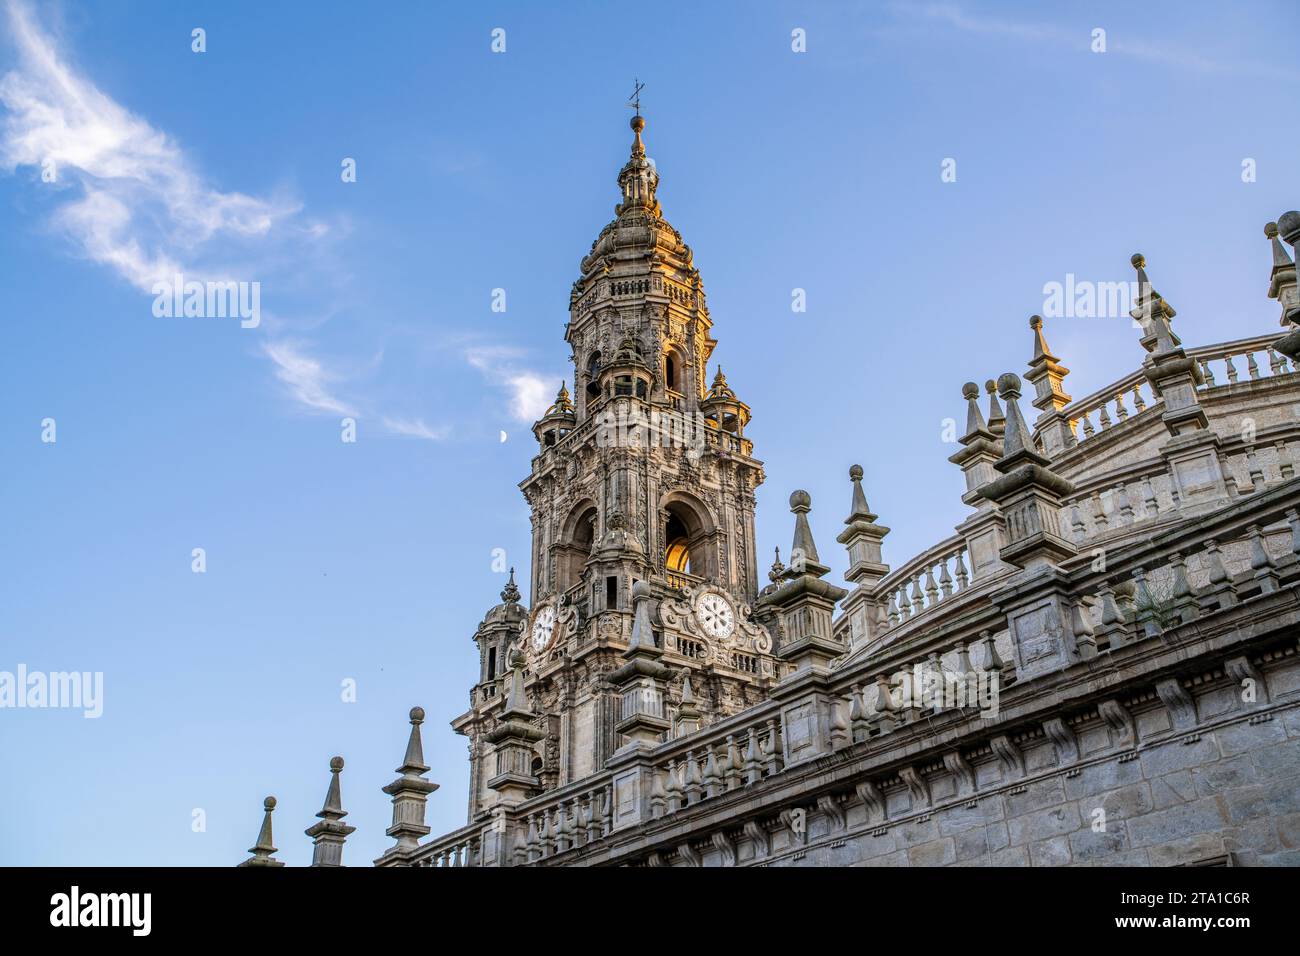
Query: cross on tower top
x=634, y=101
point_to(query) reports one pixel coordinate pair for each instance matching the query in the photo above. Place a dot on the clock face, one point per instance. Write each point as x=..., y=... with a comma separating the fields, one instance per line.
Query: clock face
x=715, y=615
x=543, y=627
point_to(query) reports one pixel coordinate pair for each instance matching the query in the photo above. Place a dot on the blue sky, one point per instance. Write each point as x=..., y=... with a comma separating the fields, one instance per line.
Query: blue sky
x=478, y=170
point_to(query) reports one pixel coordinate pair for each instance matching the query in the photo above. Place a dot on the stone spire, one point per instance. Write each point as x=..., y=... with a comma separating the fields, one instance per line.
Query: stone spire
x=640, y=679
x=1028, y=494
x=510, y=593
x=513, y=738
x=263, y=850
x=329, y=833
x=410, y=793
x=806, y=603
x=1152, y=312
x=1046, y=375
x=1172, y=374
x=688, y=713
x=980, y=449
x=1017, y=444
x=997, y=421
x=803, y=553
x=862, y=537
x=985, y=530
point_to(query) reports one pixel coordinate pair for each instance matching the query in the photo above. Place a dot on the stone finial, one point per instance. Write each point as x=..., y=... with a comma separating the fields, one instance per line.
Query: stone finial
x=1288, y=224
x=862, y=536
x=516, y=698
x=510, y=593
x=1282, y=279
x=329, y=832
x=688, y=714
x=777, y=571
x=410, y=792
x=642, y=630
x=997, y=421
x=1152, y=312
x=263, y=850
x=688, y=707
x=1046, y=373
x=513, y=738
x=640, y=679
x=981, y=445
x=1018, y=443
x=1028, y=489
x=975, y=424
x=859, y=510
x=803, y=553
x=805, y=601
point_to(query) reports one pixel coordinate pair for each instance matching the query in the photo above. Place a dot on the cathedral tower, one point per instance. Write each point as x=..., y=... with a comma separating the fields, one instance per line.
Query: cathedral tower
x=643, y=474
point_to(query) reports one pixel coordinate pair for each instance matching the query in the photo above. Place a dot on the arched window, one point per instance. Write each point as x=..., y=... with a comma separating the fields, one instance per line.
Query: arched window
x=677, y=554
x=575, y=546
x=670, y=372
x=690, y=543
x=593, y=376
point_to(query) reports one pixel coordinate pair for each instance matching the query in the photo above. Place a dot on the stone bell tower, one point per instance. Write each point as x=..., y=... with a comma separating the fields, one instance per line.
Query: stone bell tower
x=643, y=474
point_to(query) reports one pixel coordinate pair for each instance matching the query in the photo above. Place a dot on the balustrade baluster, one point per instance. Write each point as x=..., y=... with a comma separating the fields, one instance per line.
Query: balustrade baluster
x=1123, y=504
x=1099, y=519
x=1149, y=501
x=931, y=589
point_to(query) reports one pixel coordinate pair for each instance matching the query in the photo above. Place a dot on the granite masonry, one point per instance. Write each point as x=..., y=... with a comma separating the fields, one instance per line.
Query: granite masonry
x=1098, y=667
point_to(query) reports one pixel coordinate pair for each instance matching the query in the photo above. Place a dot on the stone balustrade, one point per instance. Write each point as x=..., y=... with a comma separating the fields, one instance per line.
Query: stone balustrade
x=923, y=583
x=1226, y=363
x=1110, y=406
x=1131, y=500
x=1230, y=362
x=459, y=848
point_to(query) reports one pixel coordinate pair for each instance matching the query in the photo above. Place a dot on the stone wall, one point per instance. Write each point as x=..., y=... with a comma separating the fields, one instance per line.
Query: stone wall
x=1234, y=790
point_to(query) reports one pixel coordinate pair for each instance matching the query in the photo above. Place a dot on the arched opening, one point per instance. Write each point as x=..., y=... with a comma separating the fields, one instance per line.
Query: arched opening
x=593, y=377
x=670, y=373
x=688, y=539
x=579, y=535
x=677, y=554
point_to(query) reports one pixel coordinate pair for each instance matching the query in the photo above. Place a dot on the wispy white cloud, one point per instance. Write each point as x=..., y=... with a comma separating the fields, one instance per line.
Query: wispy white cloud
x=136, y=203
x=307, y=379
x=415, y=428
x=529, y=391
x=316, y=386
x=1118, y=43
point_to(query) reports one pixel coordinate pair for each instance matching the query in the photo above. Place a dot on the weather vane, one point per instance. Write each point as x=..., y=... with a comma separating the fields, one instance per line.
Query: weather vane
x=634, y=101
